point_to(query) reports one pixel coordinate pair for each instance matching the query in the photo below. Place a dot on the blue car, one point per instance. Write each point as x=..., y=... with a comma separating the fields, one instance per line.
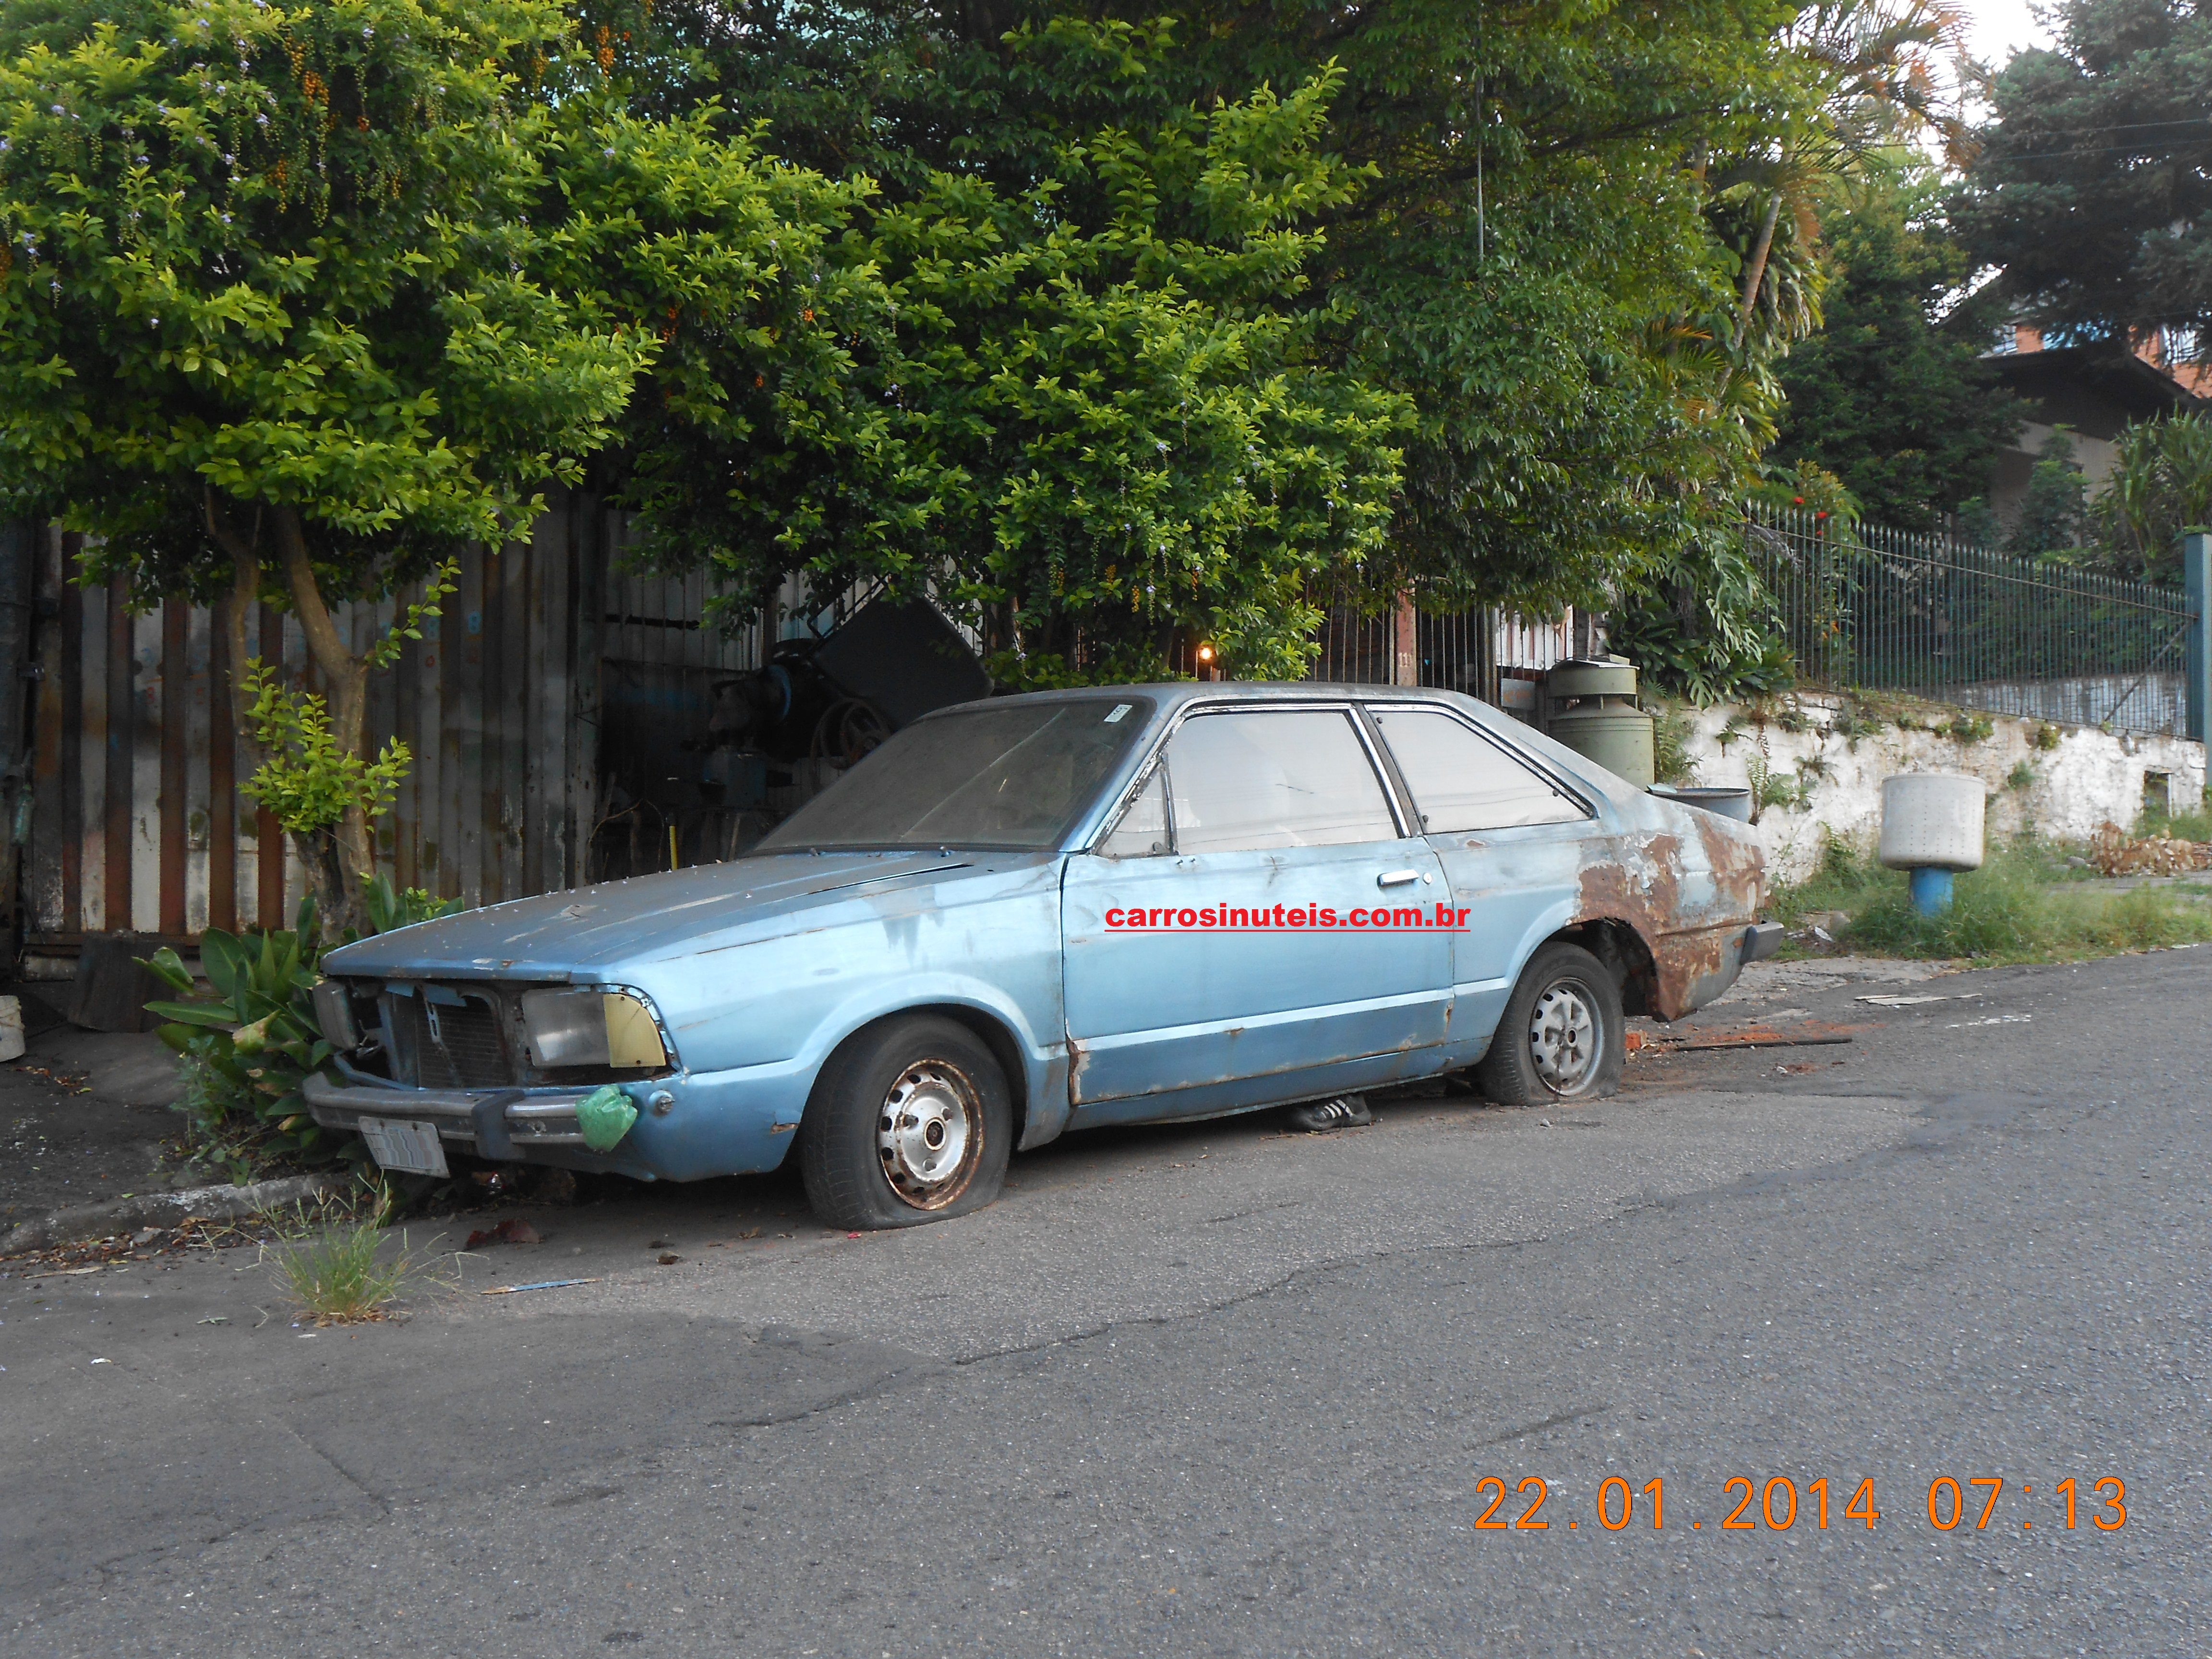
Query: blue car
x=1036, y=914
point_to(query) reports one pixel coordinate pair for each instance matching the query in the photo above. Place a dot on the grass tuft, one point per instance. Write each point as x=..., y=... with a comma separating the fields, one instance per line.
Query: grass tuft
x=341, y=1276
x=2024, y=905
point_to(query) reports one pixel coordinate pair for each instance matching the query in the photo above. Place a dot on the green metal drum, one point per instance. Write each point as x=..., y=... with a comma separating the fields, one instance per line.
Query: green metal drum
x=1590, y=707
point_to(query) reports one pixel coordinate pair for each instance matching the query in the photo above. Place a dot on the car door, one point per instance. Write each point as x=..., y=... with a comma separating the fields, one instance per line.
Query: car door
x=1512, y=841
x=1211, y=961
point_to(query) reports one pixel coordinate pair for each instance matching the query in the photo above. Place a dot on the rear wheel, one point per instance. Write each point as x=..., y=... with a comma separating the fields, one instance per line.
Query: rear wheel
x=1563, y=1036
x=909, y=1122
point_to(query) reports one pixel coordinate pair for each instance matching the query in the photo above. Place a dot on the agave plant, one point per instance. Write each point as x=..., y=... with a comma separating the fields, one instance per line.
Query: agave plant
x=256, y=1036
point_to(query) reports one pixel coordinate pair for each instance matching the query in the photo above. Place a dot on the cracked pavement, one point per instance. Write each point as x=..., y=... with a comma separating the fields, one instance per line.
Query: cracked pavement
x=1215, y=1388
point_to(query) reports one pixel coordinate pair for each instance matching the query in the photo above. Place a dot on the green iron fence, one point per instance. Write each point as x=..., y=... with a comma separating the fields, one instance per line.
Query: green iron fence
x=1866, y=608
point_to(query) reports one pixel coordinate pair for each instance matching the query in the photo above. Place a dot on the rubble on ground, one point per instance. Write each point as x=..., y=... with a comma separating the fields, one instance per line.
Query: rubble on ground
x=2113, y=852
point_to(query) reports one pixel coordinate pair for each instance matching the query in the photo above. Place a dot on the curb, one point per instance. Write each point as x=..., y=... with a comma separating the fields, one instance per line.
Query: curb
x=119, y=1215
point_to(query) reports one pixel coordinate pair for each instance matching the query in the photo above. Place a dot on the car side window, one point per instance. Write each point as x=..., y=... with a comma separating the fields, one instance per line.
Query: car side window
x=1256, y=779
x=1143, y=830
x=1461, y=780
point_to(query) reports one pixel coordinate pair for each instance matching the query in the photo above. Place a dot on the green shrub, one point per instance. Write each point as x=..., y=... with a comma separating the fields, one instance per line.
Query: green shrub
x=1671, y=731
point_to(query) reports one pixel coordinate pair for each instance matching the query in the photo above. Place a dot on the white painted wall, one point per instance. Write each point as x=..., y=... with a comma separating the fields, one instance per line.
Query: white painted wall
x=2091, y=778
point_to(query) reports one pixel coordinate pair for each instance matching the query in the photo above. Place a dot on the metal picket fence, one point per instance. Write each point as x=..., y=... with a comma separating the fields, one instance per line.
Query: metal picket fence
x=1867, y=608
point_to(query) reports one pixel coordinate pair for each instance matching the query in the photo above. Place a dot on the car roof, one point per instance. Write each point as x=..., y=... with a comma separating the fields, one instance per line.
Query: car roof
x=1170, y=695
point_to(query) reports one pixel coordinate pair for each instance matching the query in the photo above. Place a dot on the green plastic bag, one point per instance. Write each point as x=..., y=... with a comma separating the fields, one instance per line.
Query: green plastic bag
x=604, y=1115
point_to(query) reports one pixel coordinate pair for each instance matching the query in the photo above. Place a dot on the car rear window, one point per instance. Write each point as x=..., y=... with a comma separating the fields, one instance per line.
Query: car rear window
x=1014, y=775
x=1461, y=780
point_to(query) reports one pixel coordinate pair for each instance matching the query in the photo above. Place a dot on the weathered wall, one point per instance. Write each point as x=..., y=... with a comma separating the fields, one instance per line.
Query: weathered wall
x=2090, y=778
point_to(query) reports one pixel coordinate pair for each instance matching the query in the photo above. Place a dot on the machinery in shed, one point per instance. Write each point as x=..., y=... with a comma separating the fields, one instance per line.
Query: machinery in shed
x=684, y=789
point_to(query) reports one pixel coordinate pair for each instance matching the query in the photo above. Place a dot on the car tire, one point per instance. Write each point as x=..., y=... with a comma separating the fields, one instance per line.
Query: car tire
x=909, y=1122
x=1562, y=1036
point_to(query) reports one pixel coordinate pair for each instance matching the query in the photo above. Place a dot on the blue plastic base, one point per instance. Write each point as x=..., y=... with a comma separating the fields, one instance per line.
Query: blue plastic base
x=1932, y=891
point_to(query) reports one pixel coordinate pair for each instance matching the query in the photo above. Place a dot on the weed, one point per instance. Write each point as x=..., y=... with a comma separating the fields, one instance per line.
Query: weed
x=2024, y=905
x=2046, y=737
x=1969, y=728
x=342, y=1276
x=1671, y=731
x=2182, y=826
x=1853, y=720
x=1772, y=788
x=2022, y=776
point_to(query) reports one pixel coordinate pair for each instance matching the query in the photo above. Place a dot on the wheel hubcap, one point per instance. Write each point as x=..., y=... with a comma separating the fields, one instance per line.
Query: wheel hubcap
x=1562, y=1037
x=929, y=1134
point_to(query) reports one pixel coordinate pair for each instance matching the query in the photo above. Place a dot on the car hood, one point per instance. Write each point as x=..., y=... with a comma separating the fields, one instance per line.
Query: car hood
x=582, y=934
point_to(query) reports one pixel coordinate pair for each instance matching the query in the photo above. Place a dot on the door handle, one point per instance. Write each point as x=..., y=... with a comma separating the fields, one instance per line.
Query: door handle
x=1396, y=878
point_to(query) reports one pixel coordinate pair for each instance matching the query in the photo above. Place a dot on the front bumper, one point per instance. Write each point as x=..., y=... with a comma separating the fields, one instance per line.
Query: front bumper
x=526, y=1117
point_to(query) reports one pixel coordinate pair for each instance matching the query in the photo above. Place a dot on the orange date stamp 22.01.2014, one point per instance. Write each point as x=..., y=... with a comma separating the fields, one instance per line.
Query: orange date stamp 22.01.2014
x=1777, y=1505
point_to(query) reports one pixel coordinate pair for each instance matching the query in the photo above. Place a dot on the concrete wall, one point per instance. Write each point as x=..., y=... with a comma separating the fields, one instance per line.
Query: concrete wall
x=2090, y=778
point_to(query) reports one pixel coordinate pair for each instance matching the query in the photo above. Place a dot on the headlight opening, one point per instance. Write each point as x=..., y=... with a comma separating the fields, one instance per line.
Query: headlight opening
x=591, y=1028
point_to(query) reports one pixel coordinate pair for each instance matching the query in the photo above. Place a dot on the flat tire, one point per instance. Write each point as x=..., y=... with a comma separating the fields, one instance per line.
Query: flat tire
x=1562, y=1037
x=910, y=1121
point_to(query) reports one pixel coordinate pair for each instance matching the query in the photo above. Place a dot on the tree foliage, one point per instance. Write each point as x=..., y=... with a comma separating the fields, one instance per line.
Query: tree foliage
x=1087, y=410
x=2094, y=187
x=296, y=298
x=1893, y=396
x=2161, y=485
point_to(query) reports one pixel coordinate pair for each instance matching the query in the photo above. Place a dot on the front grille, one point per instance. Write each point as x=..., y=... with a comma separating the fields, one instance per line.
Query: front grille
x=468, y=1049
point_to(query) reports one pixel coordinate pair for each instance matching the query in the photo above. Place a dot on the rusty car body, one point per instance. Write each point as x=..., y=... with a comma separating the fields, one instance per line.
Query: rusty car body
x=737, y=1004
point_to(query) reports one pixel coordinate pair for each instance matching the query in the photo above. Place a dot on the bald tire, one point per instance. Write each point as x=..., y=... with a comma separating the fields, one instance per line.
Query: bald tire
x=839, y=1158
x=1508, y=1074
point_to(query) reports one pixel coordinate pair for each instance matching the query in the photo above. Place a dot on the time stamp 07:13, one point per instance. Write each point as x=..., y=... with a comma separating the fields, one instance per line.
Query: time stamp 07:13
x=1979, y=1502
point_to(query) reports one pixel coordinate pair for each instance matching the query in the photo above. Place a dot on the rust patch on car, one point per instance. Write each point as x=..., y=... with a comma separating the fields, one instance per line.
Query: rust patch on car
x=1693, y=958
x=1739, y=872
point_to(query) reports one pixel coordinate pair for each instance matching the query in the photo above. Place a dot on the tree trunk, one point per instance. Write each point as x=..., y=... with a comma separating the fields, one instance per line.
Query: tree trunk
x=338, y=869
x=1755, y=274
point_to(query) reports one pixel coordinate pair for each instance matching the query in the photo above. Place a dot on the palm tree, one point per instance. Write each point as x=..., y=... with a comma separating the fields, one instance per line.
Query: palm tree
x=1884, y=70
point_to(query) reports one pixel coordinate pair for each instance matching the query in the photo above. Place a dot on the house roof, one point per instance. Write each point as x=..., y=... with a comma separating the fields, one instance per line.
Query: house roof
x=2084, y=383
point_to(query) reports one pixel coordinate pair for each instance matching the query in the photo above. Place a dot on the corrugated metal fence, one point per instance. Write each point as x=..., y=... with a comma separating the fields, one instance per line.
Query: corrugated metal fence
x=138, y=825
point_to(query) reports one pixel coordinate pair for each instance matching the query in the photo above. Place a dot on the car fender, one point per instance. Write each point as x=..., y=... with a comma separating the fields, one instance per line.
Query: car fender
x=1040, y=1087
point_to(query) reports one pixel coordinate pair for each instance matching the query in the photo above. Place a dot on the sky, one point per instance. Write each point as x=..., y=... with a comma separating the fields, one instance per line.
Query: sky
x=1999, y=27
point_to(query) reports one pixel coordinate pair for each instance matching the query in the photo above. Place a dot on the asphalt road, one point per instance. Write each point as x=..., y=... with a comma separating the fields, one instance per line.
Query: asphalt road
x=1221, y=1390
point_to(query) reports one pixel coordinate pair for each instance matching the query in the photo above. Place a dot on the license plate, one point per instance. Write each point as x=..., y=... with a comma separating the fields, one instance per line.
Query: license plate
x=397, y=1144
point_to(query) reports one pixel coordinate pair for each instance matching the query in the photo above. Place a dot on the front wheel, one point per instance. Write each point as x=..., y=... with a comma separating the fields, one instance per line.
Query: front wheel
x=1562, y=1036
x=909, y=1122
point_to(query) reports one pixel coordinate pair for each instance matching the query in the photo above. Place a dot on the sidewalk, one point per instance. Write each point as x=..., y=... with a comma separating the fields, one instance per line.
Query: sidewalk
x=82, y=1114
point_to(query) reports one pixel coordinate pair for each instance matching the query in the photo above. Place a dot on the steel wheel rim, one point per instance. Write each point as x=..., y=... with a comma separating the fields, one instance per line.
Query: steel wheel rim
x=929, y=1133
x=1563, y=1036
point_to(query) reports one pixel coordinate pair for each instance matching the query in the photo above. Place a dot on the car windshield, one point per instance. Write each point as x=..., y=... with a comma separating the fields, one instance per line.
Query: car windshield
x=1016, y=774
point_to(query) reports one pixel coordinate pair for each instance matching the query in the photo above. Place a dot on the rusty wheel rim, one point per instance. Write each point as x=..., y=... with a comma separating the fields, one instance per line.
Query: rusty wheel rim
x=1563, y=1036
x=929, y=1133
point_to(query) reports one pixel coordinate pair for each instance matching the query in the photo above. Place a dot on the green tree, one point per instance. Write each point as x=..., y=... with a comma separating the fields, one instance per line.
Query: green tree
x=1893, y=395
x=1527, y=228
x=2094, y=186
x=294, y=300
x=2052, y=513
x=1087, y=408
